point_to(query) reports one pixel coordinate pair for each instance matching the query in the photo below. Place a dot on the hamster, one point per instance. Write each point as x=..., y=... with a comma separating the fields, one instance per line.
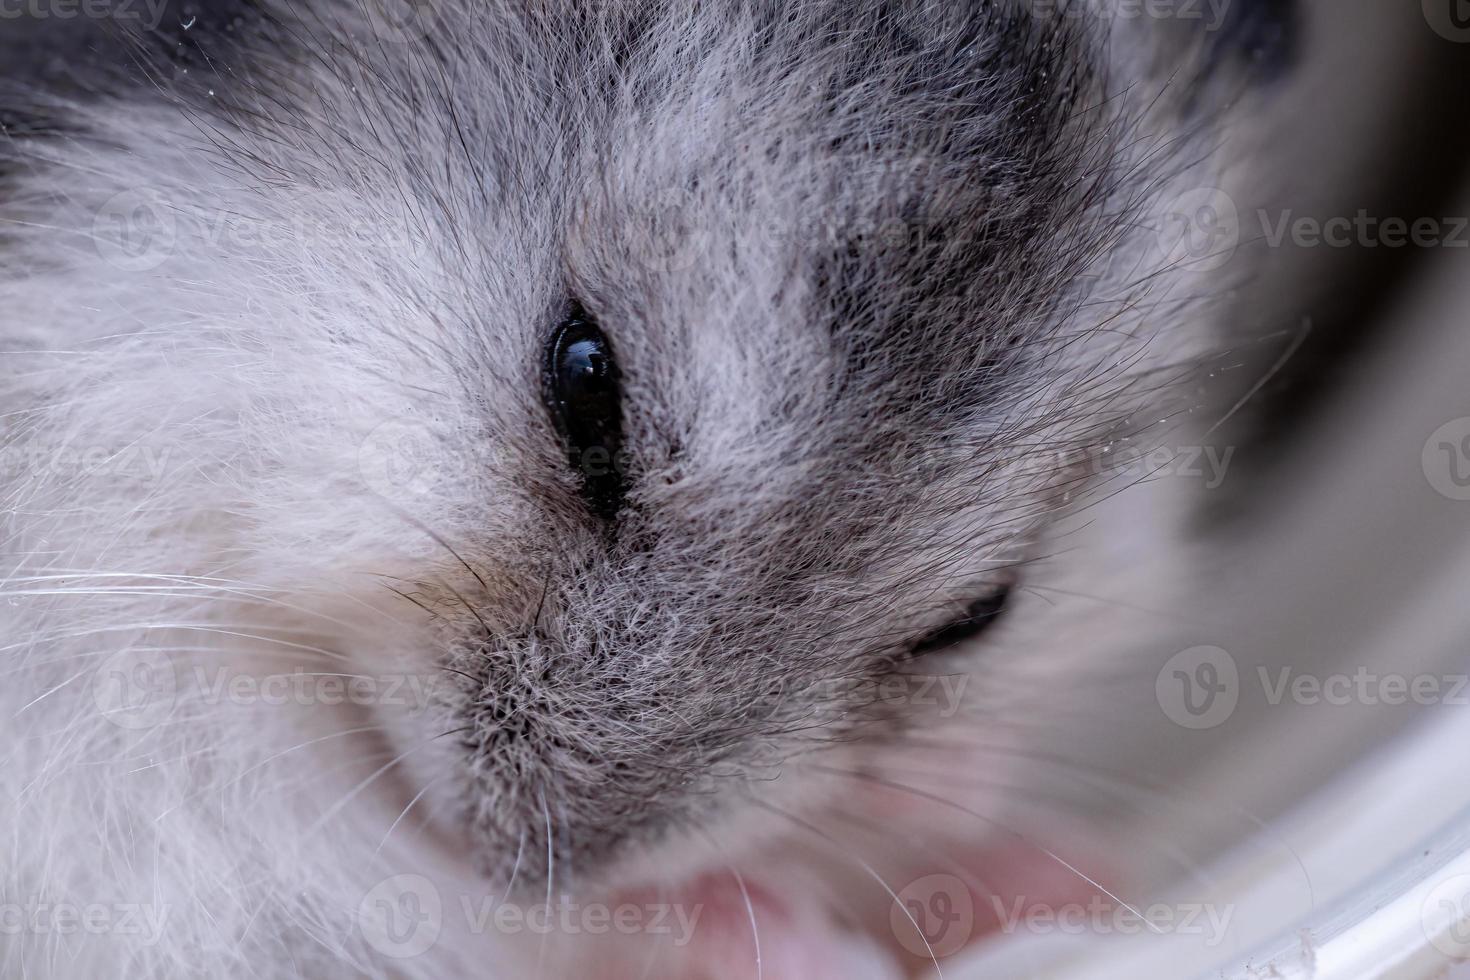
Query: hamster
x=466, y=451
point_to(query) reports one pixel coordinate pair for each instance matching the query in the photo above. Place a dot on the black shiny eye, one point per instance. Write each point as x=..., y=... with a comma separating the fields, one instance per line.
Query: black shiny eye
x=979, y=616
x=584, y=394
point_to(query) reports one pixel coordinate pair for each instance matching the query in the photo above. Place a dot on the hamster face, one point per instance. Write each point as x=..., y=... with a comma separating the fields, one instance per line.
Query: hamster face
x=656, y=379
x=814, y=411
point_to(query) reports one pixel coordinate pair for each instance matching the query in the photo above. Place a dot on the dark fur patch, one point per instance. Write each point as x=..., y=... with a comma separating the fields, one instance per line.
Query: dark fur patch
x=1264, y=31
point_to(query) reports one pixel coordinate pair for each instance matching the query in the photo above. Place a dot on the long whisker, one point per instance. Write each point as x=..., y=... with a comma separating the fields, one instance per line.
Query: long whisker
x=417, y=796
x=550, y=876
x=515, y=868
x=268, y=760
x=336, y=808
x=755, y=932
x=867, y=868
x=1063, y=862
x=1128, y=786
x=885, y=833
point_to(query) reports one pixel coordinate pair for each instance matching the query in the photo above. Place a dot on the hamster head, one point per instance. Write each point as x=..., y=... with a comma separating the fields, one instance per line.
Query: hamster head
x=659, y=378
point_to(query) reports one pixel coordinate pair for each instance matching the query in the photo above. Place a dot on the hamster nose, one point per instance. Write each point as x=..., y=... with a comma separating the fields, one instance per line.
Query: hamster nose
x=979, y=616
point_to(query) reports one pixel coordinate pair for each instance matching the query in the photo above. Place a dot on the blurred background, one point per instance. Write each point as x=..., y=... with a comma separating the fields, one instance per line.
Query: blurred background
x=1285, y=753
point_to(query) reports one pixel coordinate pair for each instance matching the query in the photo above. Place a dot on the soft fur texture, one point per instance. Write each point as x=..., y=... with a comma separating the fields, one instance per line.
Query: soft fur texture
x=877, y=273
